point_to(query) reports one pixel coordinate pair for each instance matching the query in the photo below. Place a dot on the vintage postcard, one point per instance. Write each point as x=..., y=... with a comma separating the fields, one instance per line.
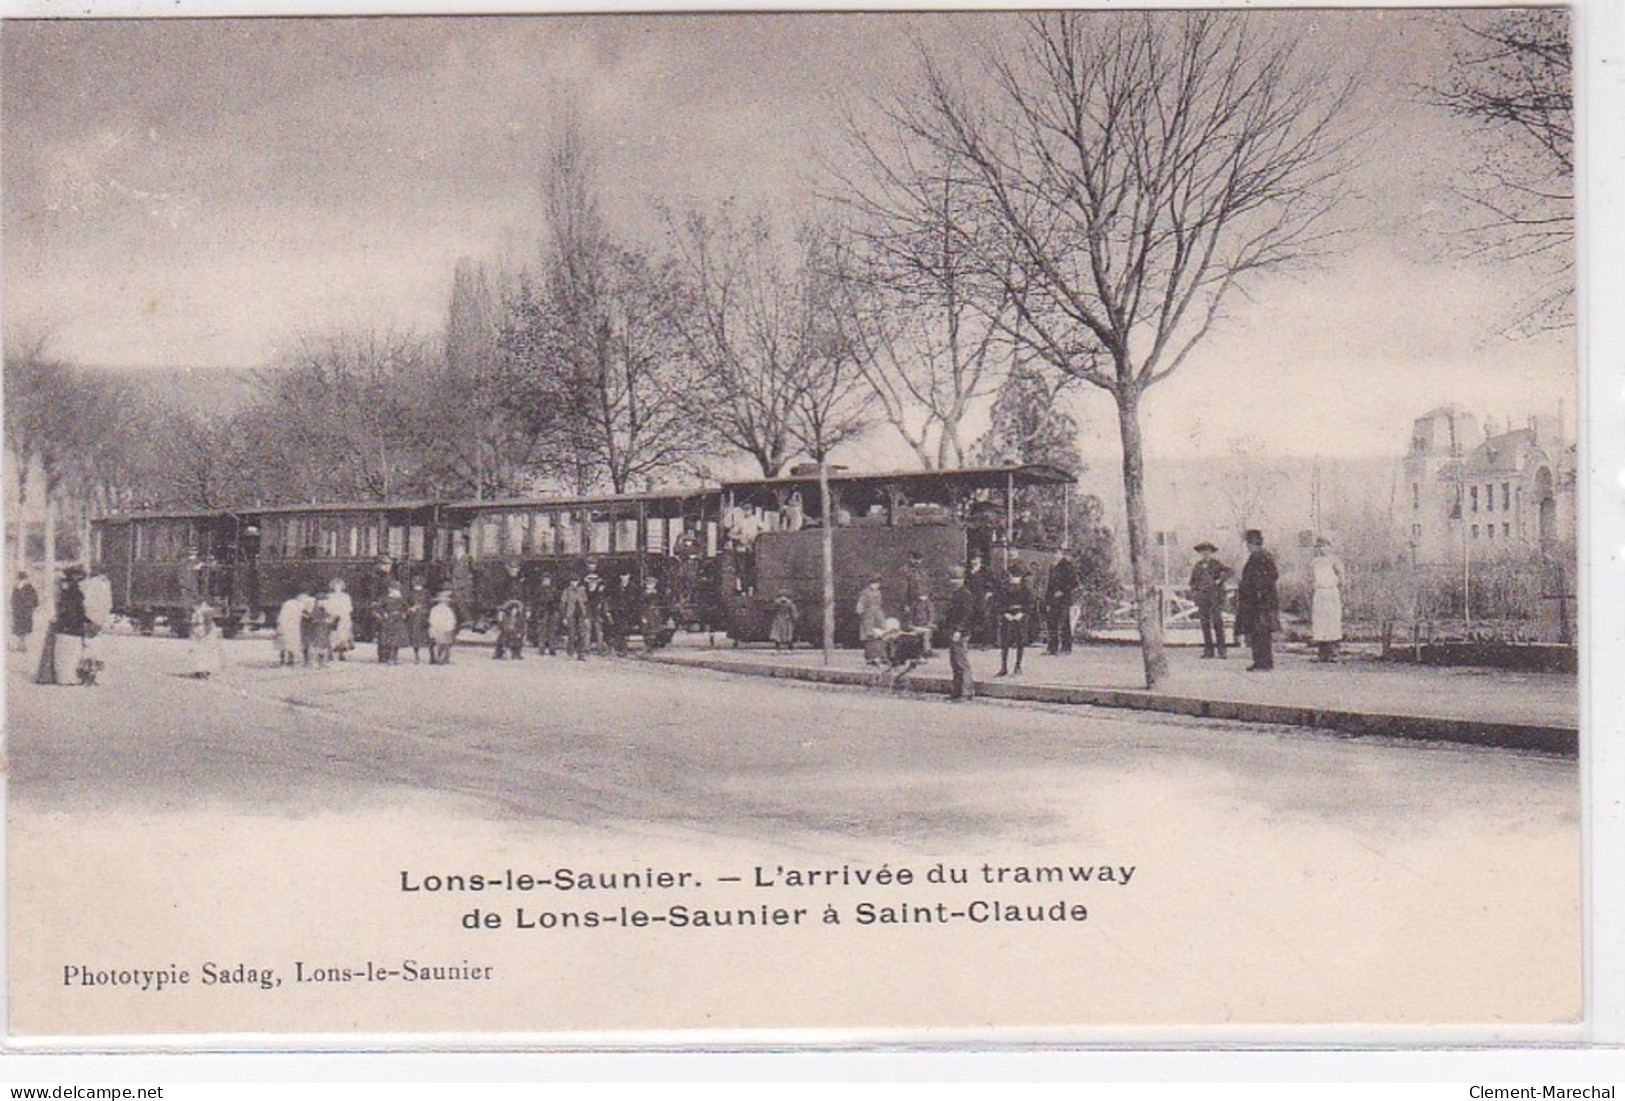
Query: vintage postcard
x=610, y=529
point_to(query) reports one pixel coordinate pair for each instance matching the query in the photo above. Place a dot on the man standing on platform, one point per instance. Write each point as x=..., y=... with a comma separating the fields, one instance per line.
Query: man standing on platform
x=957, y=624
x=1258, y=610
x=1208, y=578
x=1058, y=596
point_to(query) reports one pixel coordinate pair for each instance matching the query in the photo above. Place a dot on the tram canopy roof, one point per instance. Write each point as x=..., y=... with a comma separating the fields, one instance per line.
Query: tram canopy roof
x=250, y=511
x=923, y=482
x=557, y=500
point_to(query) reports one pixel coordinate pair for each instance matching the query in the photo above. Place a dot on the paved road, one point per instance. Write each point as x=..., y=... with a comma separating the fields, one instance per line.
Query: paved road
x=1282, y=875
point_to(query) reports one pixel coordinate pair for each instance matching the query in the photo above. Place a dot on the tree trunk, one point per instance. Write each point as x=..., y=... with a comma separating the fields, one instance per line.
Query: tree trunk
x=827, y=541
x=1146, y=604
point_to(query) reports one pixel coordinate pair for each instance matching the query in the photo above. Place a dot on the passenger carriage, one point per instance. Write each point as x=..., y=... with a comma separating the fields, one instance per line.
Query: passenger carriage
x=160, y=564
x=669, y=536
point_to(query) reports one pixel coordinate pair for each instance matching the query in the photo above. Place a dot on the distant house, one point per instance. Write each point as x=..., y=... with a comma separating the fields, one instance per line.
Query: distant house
x=1478, y=493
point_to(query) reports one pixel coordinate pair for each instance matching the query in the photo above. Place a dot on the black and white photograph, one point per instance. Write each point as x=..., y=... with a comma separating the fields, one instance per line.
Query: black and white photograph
x=811, y=527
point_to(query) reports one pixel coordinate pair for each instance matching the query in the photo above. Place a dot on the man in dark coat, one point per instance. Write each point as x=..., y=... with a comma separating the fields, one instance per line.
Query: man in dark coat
x=24, y=603
x=1058, y=596
x=417, y=622
x=598, y=608
x=979, y=583
x=544, y=615
x=1258, y=609
x=390, y=615
x=1016, y=608
x=1208, y=579
x=957, y=624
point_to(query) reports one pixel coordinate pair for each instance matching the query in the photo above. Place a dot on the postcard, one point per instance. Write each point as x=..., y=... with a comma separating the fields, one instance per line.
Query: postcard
x=803, y=527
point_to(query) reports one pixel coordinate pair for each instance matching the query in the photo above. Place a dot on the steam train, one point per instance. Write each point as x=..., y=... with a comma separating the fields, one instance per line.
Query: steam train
x=714, y=557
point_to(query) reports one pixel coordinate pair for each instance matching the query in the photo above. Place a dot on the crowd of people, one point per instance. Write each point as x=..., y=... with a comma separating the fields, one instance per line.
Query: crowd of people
x=83, y=606
x=986, y=609
x=591, y=614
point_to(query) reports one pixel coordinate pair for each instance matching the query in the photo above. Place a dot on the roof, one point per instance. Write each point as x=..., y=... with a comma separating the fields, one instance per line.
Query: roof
x=971, y=477
x=543, y=501
x=1503, y=453
x=269, y=510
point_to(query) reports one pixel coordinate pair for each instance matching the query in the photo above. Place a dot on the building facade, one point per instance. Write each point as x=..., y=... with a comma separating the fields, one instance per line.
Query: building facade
x=1476, y=493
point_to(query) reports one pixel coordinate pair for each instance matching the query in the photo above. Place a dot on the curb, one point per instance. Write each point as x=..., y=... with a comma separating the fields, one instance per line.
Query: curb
x=1556, y=740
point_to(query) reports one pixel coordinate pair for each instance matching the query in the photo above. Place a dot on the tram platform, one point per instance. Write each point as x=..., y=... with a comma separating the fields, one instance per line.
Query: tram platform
x=1359, y=695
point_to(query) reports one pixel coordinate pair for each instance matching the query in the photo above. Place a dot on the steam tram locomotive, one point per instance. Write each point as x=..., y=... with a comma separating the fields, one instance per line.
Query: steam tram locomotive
x=712, y=558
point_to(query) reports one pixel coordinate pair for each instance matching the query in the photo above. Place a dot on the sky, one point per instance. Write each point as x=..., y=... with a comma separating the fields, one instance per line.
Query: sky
x=186, y=193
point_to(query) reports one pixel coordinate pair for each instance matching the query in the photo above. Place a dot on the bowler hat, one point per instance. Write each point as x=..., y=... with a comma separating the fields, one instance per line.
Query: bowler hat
x=1253, y=535
x=1204, y=546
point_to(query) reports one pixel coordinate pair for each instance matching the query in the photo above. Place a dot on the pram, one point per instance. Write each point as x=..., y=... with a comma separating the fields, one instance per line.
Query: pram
x=901, y=653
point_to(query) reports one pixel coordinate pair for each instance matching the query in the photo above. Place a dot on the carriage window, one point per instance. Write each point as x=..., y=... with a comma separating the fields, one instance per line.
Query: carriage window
x=655, y=533
x=329, y=545
x=487, y=541
x=417, y=543
x=514, y=539
x=397, y=541
x=569, y=538
x=541, y=534
x=626, y=534
x=600, y=537
x=369, y=541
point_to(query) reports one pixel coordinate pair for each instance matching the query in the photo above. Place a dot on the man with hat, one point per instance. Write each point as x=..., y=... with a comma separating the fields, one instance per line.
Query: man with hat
x=596, y=592
x=1059, y=592
x=918, y=615
x=1016, y=607
x=417, y=622
x=958, y=624
x=1258, y=610
x=1208, y=578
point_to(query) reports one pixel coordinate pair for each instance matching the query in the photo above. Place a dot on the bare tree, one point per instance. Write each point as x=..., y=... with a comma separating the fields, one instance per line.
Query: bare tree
x=593, y=344
x=1512, y=78
x=745, y=322
x=1130, y=171
x=926, y=344
x=342, y=416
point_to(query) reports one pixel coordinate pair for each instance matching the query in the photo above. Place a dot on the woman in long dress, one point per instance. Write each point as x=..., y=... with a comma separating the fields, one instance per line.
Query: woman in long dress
x=290, y=631
x=1326, y=607
x=207, y=653
x=783, y=631
x=342, y=610
x=69, y=621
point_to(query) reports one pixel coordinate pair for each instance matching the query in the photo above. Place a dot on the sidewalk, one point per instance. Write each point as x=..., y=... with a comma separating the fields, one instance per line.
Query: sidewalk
x=1359, y=695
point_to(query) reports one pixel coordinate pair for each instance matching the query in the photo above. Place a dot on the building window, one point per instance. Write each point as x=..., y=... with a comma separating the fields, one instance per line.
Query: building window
x=1473, y=499
x=1416, y=495
x=1506, y=531
x=1489, y=531
x=1506, y=496
x=1475, y=531
x=1416, y=531
x=1489, y=498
